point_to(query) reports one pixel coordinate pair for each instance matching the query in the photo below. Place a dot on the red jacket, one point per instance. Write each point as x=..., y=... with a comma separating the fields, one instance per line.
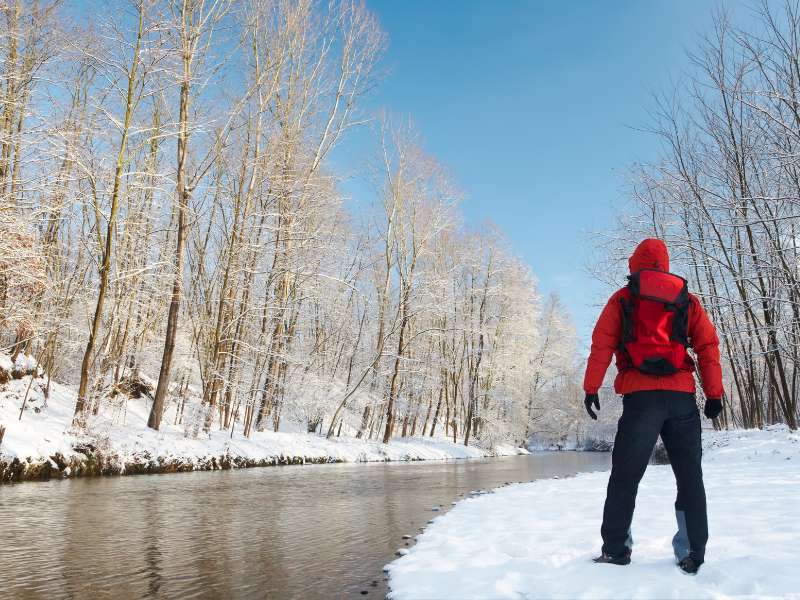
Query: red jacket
x=652, y=254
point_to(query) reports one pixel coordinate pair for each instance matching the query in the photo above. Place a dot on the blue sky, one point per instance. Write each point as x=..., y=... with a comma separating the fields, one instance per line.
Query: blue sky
x=533, y=107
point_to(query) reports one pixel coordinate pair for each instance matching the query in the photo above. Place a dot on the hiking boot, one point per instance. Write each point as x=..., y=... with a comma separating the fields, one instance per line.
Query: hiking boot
x=690, y=565
x=608, y=559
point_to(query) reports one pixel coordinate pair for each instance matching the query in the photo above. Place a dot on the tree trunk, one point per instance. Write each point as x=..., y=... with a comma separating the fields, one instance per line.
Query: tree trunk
x=105, y=267
x=182, y=198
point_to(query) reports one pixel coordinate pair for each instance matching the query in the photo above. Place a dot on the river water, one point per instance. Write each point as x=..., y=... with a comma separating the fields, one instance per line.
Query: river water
x=322, y=531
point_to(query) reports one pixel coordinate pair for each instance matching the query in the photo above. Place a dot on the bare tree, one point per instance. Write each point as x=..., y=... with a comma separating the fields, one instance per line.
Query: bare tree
x=135, y=79
x=192, y=25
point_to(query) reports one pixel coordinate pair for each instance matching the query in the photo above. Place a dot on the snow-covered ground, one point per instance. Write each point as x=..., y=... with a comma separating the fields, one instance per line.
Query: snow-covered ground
x=119, y=439
x=536, y=540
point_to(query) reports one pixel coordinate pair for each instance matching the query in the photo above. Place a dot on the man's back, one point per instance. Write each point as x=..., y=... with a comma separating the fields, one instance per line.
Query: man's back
x=607, y=338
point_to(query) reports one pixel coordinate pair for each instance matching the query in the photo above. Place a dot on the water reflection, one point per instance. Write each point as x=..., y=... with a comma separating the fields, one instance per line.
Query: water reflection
x=290, y=532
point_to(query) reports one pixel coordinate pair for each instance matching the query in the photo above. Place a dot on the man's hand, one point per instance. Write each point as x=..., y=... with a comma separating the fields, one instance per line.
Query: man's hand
x=713, y=408
x=593, y=399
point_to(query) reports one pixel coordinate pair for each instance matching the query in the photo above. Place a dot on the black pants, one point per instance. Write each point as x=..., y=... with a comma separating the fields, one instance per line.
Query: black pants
x=645, y=416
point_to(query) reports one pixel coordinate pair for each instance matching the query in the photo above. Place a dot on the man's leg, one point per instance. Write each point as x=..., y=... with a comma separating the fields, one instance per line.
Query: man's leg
x=680, y=541
x=642, y=416
x=681, y=435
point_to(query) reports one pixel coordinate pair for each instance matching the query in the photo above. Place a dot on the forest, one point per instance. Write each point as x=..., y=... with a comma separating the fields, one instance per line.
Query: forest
x=173, y=227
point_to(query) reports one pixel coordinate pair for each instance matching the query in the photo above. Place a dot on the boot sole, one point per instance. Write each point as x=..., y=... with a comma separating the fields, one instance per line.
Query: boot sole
x=687, y=573
x=620, y=563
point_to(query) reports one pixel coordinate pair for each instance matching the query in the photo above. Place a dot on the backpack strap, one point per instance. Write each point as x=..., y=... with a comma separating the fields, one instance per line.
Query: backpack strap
x=627, y=307
x=628, y=332
x=680, y=321
x=634, y=284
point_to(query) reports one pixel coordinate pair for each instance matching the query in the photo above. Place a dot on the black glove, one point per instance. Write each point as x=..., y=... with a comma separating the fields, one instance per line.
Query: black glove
x=589, y=401
x=713, y=408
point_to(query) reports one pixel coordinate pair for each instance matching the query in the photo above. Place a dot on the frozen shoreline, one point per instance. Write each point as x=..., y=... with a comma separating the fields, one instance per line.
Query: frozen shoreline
x=85, y=459
x=537, y=539
x=118, y=442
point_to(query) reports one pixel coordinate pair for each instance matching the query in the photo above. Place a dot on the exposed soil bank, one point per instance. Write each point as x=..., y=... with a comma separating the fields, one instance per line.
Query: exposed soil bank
x=95, y=464
x=89, y=462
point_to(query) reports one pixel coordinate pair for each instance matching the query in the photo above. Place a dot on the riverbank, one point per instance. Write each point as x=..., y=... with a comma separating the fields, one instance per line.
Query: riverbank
x=42, y=445
x=537, y=539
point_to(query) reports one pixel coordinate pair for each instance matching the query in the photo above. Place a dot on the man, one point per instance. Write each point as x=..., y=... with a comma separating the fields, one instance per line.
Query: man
x=649, y=325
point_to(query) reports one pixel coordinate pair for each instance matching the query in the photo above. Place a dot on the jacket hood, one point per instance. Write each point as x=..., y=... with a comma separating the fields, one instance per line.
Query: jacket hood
x=650, y=254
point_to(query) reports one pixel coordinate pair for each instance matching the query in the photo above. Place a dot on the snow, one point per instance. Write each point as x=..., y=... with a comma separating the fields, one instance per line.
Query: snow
x=536, y=540
x=120, y=434
x=22, y=363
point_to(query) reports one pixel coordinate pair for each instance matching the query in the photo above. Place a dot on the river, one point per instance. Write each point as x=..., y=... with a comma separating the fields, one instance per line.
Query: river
x=321, y=531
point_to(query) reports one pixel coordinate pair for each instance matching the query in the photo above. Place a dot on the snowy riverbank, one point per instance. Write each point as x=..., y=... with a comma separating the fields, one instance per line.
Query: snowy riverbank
x=118, y=442
x=536, y=540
